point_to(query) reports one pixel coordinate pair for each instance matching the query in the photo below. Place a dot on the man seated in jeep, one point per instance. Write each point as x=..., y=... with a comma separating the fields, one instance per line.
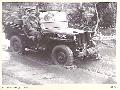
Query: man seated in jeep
x=32, y=25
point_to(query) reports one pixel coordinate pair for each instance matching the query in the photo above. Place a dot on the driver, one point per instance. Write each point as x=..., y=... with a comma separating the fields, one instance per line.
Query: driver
x=31, y=21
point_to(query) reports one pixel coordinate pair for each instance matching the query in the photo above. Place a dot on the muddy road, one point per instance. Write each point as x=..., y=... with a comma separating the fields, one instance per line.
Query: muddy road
x=37, y=69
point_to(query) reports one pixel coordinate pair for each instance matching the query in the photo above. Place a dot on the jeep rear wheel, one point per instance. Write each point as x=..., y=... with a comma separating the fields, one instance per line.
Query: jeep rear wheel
x=16, y=44
x=62, y=55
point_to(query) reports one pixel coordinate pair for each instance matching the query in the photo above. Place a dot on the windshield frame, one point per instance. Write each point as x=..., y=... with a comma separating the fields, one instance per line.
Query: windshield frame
x=53, y=16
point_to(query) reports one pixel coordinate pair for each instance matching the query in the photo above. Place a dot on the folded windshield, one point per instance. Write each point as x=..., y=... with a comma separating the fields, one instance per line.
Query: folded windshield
x=53, y=16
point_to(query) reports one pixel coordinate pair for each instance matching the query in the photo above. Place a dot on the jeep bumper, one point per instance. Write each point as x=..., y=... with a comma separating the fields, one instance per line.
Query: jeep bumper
x=86, y=52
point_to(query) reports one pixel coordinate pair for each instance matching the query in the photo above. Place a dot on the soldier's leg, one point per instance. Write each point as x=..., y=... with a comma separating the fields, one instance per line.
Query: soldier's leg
x=35, y=36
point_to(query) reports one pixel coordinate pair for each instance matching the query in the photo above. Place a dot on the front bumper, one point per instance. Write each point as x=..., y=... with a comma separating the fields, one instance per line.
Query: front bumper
x=87, y=52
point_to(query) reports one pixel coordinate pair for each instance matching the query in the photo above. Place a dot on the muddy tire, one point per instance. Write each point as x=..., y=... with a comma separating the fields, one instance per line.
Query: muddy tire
x=62, y=55
x=16, y=44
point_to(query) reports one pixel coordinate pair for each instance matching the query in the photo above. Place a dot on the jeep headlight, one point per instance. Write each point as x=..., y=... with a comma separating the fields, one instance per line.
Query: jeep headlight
x=75, y=37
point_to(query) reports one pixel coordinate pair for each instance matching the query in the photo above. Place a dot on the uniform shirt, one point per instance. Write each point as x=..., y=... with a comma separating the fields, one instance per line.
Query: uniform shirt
x=30, y=21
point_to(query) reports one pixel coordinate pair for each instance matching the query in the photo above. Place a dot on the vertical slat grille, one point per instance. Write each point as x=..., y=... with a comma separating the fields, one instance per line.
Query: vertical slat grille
x=84, y=38
x=81, y=38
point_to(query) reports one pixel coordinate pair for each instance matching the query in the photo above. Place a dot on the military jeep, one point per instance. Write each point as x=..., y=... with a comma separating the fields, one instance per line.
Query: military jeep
x=62, y=42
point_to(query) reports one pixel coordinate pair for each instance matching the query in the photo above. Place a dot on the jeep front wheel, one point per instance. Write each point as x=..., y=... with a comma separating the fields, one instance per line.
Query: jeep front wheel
x=16, y=44
x=62, y=55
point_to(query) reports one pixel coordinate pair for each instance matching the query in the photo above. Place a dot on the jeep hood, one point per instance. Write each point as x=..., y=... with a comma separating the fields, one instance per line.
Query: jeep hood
x=70, y=31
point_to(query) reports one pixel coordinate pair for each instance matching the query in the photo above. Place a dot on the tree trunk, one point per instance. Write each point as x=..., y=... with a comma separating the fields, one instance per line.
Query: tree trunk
x=98, y=20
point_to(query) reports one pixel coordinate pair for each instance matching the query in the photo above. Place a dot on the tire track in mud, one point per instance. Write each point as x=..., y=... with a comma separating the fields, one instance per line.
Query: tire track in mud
x=20, y=79
x=106, y=66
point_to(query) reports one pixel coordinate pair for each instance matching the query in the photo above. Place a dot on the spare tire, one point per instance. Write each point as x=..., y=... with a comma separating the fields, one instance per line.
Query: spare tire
x=62, y=55
x=16, y=44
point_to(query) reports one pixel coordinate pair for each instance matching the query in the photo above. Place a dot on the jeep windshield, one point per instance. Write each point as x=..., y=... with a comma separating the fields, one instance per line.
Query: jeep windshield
x=53, y=16
x=53, y=19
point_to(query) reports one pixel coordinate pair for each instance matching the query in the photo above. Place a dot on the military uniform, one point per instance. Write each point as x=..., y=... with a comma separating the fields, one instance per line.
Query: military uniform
x=32, y=24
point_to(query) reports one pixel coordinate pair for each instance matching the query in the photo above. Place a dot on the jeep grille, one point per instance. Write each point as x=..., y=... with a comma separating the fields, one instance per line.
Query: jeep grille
x=83, y=38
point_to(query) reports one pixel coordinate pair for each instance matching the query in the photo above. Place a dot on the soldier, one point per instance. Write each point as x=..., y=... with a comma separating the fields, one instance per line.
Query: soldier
x=31, y=22
x=12, y=18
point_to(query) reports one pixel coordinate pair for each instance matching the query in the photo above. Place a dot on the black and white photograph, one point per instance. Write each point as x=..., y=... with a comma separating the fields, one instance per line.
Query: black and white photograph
x=58, y=43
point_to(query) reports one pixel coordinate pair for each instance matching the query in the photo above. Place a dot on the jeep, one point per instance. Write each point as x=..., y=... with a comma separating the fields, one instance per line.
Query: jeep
x=63, y=43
